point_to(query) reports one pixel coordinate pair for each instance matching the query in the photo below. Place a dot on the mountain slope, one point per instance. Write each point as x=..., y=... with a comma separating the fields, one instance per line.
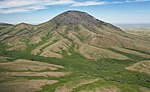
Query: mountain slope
x=5, y=25
x=72, y=32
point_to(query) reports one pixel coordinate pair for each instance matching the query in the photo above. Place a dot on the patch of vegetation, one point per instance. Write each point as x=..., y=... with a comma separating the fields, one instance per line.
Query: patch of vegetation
x=3, y=47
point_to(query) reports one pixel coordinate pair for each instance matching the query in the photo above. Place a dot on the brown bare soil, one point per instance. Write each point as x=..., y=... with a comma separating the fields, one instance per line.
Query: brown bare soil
x=107, y=89
x=143, y=67
x=51, y=54
x=43, y=74
x=14, y=80
x=68, y=87
x=24, y=85
x=22, y=64
x=143, y=89
x=18, y=47
x=35, y=40
x=87, y=51
x=56, y=48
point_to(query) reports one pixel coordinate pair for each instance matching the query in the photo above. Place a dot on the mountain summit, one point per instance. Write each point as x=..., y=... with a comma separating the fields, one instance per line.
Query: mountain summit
x=75, y=17
x=72, y=33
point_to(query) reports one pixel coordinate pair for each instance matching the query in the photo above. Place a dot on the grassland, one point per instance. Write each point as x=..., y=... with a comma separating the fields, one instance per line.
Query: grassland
x=110, y=74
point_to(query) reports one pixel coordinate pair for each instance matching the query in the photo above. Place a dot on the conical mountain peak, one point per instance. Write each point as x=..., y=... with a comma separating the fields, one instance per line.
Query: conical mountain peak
x=75, y=17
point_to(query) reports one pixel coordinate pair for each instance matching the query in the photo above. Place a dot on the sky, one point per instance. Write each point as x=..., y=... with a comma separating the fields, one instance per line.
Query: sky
x=111, y=11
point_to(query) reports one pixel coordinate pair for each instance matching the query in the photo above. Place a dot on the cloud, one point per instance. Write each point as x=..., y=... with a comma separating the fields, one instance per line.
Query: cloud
x=93, y=3
x=21, y=9
x=89, y=3
x=129, y=1
x=12, y=6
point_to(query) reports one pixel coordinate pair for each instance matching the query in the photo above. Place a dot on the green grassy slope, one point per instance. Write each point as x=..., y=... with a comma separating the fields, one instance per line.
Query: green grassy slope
x=111, y=71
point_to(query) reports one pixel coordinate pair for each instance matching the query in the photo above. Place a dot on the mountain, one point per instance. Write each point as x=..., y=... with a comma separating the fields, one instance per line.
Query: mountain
x=5, y=24
x=89, y=56
x=71, y=33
